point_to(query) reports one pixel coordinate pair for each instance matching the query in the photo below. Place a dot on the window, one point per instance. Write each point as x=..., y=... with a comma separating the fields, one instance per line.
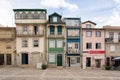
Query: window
x=76, y=45
x=88, y=33
x=36, y=15
x=36, y=43
x=59, y=43
x=111, y=34
x=88, y=45
x=70, y=32
x=112, y=48
x=59, y=30
x=24, y=43
x=24, y=15
x=24, y=30
x=118, y=37
x=51, y=57
x=42, y=16
x=54, y=19
x=17, y=16
x=98, y=33
x=30, y=16
x=98, y=45
x=52, y=43
x=52, y=30
x=88, y=25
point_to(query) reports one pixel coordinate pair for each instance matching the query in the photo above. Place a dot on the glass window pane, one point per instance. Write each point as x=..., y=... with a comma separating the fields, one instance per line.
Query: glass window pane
x=52, y=43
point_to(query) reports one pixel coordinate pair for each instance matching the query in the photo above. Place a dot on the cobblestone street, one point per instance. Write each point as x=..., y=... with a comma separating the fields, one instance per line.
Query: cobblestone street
x=57, y=74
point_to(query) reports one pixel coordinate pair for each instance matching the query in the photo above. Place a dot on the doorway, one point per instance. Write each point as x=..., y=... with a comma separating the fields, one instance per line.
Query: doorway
x=24, y=58
x=8, y=59
x=1, y=59
x=35, y=30
x=98, y=63
x=59, y=60
x=88, y=62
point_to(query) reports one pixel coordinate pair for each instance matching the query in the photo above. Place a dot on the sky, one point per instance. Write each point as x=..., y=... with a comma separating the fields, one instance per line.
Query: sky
x=102, y=12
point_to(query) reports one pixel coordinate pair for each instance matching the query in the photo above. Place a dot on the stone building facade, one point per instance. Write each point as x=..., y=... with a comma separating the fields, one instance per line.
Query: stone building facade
x=30, y=36
x=7, y=46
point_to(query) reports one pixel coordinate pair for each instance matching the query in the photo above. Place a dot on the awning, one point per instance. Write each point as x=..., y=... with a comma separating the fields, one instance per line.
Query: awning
x=116, y=58
x=99, y=57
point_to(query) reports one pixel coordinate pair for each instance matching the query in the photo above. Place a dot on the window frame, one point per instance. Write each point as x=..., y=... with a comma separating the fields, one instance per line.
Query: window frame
x=24, y=43
x=87, y=34
x=112, y=48
x=55, y=19
x=61, y=42
x=88, y=45
x=97, y=46
x=98, y=32
x=88, y=25
x=34, y=45
x=52, y=44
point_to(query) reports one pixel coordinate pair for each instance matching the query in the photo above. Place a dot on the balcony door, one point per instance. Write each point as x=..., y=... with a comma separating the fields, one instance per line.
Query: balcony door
x=35, y=30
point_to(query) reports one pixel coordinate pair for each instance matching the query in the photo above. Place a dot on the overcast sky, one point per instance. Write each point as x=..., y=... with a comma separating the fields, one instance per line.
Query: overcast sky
x=102, y=12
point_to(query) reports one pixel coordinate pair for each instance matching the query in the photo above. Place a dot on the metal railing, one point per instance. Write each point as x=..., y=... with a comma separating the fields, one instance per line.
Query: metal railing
x=30, y=33
x=112, y=40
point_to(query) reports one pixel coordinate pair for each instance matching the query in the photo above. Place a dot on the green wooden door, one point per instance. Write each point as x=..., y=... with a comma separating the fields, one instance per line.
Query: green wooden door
x=59, y=60
x=24, y=58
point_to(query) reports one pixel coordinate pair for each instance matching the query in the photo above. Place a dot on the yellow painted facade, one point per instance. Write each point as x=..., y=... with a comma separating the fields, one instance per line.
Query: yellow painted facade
x=7, y=45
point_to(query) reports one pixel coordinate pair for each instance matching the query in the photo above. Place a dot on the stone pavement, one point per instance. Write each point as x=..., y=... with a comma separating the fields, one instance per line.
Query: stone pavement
x=16, y=73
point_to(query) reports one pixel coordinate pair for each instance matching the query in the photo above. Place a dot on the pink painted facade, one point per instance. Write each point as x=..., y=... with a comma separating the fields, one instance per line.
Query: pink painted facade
x=93, y=47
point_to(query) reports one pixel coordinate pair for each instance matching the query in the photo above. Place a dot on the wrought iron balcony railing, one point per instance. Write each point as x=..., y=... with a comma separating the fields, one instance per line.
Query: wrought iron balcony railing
x=30, y=33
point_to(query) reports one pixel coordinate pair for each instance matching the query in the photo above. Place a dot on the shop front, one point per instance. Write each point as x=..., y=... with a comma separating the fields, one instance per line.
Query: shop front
x=93, y=59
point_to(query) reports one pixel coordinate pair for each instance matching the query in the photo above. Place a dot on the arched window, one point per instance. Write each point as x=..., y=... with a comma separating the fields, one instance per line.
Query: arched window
x=36, y=15
x=17, y=15
x=30, y=15
x=42, y=16
x=24, y=15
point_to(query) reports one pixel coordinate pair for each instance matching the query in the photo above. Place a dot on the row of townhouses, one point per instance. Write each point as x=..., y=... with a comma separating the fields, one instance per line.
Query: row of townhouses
x=57, y=41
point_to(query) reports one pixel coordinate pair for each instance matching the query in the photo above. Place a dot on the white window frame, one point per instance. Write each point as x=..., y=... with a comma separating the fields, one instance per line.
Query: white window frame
x=89, y=33
x=52, y=58
x=50, y=43
x=112, y=48
x=59, y=43
x=88, y=26
x=54, y=19
x=24, y=43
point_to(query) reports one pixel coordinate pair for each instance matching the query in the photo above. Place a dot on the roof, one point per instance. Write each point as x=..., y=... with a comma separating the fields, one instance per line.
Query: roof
x=55, y=14
x=92, y=28
x=89, y=22
x=108, y=27
x=30, y=10
x=71, y=18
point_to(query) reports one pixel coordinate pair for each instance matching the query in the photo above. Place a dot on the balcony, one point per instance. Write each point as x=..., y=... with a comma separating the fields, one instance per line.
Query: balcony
x=30, y=33
x=58, y=35
x=30, y=21
x=112, y=40
x=72, y=51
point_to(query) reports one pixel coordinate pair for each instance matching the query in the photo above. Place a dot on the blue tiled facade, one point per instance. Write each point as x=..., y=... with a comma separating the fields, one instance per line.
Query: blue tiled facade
x=73, y=45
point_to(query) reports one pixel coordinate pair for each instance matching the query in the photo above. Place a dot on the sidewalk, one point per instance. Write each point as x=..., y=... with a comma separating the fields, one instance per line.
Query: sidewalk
x=57, y=74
